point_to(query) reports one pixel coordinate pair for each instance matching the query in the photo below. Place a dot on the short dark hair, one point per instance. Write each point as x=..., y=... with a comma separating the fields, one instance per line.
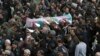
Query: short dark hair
x=81, y=38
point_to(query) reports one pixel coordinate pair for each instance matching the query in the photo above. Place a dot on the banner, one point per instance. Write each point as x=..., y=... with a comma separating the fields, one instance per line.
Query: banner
x=47, y=20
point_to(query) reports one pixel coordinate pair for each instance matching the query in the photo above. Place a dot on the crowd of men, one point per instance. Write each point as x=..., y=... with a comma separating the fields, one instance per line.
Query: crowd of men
x=81, y=38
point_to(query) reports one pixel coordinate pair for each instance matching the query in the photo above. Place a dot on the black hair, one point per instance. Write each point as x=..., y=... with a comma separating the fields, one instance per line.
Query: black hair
x=81, y=38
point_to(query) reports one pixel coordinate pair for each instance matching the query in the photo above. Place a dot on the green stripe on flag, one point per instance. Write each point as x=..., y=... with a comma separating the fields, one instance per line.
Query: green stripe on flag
x=54, y=19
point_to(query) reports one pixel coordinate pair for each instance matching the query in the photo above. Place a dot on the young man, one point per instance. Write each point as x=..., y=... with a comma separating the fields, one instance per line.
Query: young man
x=81, y=48
x=61, y=47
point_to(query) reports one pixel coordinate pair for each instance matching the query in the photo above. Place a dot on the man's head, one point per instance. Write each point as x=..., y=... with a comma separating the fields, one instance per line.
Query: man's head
x=97, y=54
x=14, y=44
x=40, y=53
x=7, y=42
x=27, y=52
x=66, y=9
x=81, y=38
x=59, y=41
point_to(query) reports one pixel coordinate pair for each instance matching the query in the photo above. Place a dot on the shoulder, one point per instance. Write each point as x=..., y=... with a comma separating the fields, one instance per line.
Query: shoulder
x=82, y=44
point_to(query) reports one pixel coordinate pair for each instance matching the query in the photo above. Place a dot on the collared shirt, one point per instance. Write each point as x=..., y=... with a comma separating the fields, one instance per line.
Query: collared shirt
x=81, y=49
